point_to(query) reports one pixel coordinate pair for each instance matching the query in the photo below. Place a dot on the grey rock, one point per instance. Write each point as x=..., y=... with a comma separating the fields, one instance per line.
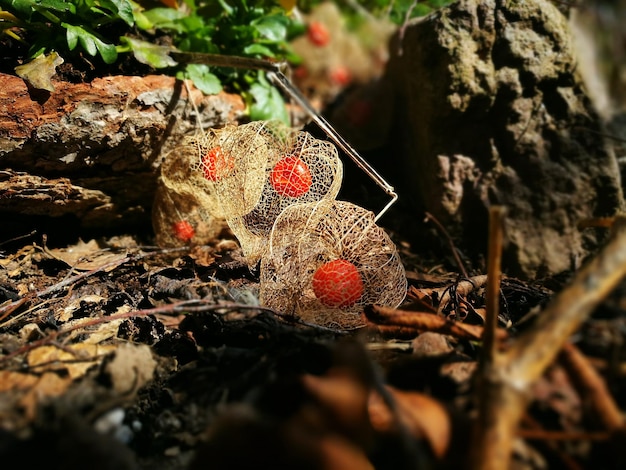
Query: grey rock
x=494, y=112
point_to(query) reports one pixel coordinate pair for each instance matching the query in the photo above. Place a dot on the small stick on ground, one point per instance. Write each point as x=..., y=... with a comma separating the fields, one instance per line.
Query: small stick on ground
x=494, y=273
x=592, y=388
x=419, y=322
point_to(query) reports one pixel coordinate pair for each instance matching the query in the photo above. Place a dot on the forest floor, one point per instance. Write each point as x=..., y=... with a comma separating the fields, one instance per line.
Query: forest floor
x=125, y=355
x=115, y=353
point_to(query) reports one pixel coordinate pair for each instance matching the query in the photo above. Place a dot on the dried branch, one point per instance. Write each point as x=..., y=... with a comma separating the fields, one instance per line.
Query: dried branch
x=419, y=322
x=538, y=346
x=505, y=390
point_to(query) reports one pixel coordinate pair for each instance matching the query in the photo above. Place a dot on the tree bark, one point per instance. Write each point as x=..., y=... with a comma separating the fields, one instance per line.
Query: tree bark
x=88, y=154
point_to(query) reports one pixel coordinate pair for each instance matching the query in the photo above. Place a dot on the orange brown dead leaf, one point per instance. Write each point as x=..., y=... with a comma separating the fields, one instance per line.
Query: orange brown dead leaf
x=424, y=417
x=358, y=410
x=339, y=454
x=343, y=399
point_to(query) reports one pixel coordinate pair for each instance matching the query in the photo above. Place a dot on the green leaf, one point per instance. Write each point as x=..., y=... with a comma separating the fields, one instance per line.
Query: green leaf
x=162, y=16
x=71, y=35
x=192, y=23
x=142, y=21
x=150, y=54
x=107, y=51
x=56, y=5
x=90, y=42
x=268, y=103
x=203, y=79
x=226, y=7
x=259, y=49
x=272, y=27
x=123, y=8
x=24, y=8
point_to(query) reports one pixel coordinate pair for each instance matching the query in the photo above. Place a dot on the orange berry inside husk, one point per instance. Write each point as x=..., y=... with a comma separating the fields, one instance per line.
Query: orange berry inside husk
x=216, y=163
x=338, y=284
x=291, y=177
x=183, y=230
x=318, y=33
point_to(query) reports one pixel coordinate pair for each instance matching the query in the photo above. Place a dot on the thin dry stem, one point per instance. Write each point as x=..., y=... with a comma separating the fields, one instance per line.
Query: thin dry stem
x=592, y=387
x=8, y=308
x=490, y=388
x=409, y=321
x=453, y=249
x=494, y=260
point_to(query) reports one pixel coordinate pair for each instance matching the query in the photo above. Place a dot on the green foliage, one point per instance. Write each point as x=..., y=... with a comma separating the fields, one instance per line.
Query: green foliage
x=108, y=28
x=62, y=24
x=265, y=102
x=247, y=28
x=258, y=29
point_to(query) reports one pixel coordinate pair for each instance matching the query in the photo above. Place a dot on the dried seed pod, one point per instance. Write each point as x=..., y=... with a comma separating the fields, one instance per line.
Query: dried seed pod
x=326, y=260
x=183, y=194
x=261, y=168
x=232, y=162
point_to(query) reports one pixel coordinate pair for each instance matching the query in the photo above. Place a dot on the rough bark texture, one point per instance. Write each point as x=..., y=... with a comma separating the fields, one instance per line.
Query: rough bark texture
x=492, y=110
x=89, y=152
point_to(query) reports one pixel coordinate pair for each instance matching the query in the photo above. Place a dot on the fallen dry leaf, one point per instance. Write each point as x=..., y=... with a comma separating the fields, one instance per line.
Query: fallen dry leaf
x=85, y=256
x=67, y=312
x=337, y=453
x=90, y=334
x=131, y=368
x=342, y=397
x=424, y=417
x=49, y=385
x=10, y=380
x=40, y=70
x=76, y=359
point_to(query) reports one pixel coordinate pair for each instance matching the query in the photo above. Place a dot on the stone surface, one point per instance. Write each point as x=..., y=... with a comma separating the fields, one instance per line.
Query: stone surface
x=91, y=151
x=490, y=109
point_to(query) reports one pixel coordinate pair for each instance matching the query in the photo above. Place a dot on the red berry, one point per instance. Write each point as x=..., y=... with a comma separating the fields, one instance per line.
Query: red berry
x=183, y=230
x=340, y=75
x=300, y=72
x=216, y=163
x=291, y=177
x=318, y=33
x=338, y=284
